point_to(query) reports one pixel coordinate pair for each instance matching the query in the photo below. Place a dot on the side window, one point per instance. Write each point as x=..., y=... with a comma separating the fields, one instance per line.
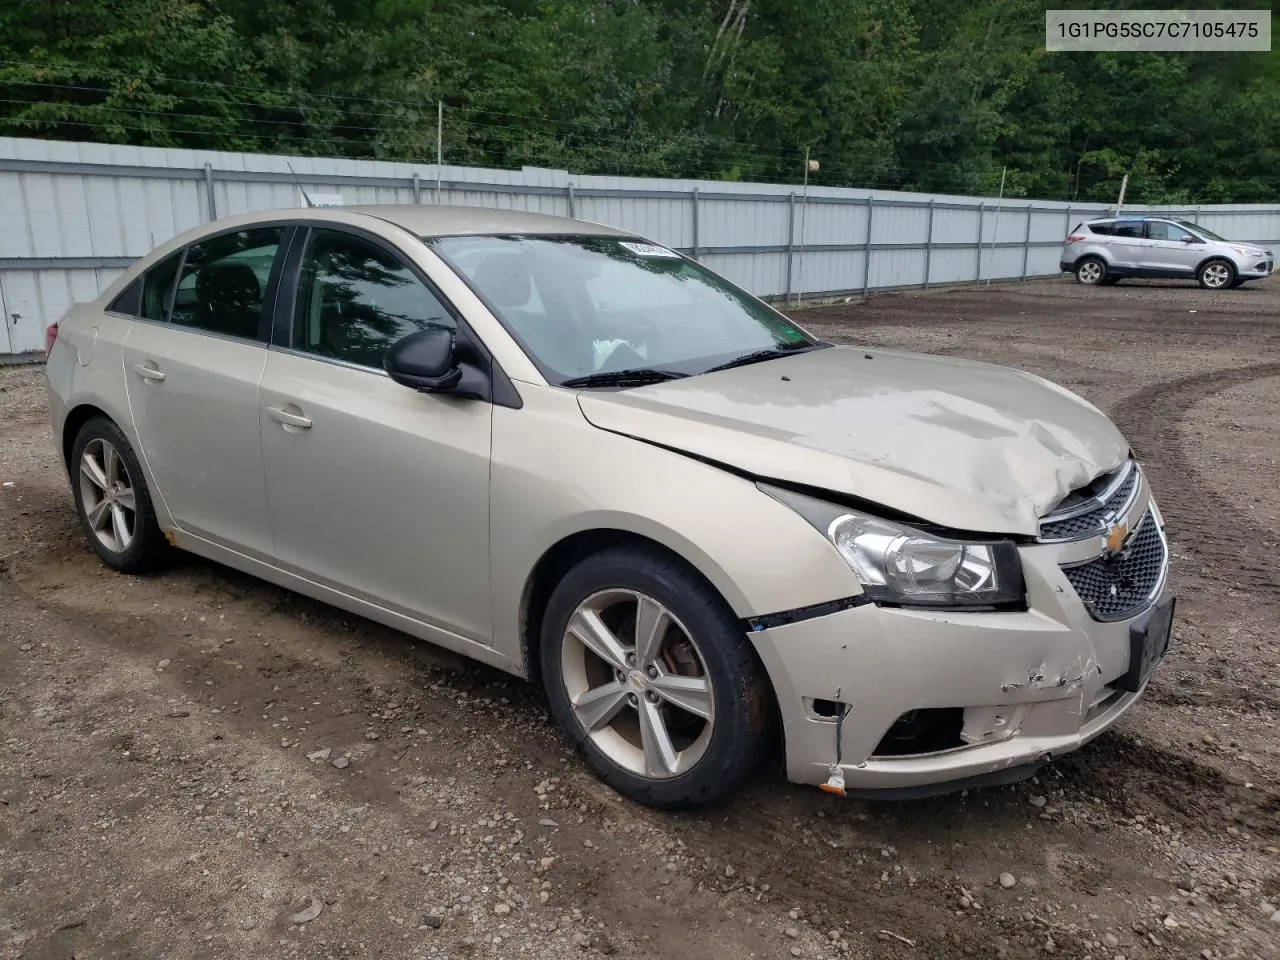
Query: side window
x=1158, y=230
x=355, y=299
x=1103, y=229
x=157, y=289
x=1128, y=228
x=224, y=281
x=128, y=300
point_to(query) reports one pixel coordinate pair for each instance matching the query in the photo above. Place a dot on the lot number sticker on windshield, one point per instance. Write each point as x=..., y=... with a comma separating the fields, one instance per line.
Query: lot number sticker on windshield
x=649, y=250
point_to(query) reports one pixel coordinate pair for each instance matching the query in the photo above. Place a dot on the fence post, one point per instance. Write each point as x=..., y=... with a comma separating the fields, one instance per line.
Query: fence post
x=866, y=257
x=208, y=189
x=928, y=245
x=791, y=244
x=1026, y=243
x=694, y=200
x=417, y=189
x=572, y=205
x=982, y=217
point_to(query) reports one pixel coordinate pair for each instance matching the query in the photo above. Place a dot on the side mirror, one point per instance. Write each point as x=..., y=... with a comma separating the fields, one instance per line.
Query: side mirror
x=423, y=360
x=1190, y=239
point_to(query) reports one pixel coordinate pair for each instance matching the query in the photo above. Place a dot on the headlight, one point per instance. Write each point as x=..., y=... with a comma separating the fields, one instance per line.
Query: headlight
x=1247, y=251
x=900, y=565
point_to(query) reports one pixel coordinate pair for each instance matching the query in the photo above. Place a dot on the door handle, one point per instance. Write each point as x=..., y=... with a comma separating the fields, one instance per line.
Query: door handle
x=283, y=416
x=148, y=372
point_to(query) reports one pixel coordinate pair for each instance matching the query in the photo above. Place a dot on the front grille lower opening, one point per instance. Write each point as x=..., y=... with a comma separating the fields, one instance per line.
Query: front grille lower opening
x=927, y=730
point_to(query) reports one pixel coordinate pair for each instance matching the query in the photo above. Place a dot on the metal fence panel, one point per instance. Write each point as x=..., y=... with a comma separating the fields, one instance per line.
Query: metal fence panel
x=72, y=215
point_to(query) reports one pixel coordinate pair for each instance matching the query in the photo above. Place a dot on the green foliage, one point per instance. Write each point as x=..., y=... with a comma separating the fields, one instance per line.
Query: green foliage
x=905, y=94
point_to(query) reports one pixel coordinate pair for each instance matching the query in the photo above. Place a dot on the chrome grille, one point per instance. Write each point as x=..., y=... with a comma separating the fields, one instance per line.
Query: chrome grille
x=1098, y=511
x=1115, y=588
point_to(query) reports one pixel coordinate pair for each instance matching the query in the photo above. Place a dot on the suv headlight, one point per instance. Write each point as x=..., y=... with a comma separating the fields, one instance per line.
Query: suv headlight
x=903, y=566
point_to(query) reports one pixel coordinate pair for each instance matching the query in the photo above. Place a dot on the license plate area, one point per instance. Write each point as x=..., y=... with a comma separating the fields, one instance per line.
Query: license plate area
x=1148, y=643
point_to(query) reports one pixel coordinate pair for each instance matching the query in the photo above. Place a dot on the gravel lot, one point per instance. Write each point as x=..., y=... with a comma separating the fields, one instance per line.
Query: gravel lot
x=197, y=764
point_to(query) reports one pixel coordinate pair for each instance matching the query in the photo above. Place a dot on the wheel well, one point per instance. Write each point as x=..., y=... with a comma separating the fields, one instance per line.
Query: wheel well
x=1217, y=258
x=558, y=561
x=76, y=419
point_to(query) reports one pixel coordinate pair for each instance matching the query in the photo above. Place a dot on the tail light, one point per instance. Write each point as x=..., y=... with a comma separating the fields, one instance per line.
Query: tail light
x=1076, y=238
x=50, y=337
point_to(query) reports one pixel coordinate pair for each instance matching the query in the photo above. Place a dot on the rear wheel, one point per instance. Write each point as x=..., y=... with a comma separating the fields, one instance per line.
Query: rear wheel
x=652, y=678
x=1091, y=271
x=1217, y=275
x=112, y=499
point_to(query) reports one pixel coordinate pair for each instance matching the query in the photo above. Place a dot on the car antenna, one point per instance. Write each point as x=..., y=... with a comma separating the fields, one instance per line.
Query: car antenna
x=301, y=188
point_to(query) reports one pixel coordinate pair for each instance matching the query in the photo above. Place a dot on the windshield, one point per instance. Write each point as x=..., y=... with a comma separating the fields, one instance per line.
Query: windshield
x=584, y=306
x=1196, y=228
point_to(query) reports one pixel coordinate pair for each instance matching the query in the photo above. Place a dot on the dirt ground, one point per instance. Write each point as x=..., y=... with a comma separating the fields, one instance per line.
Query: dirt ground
x=167, y=744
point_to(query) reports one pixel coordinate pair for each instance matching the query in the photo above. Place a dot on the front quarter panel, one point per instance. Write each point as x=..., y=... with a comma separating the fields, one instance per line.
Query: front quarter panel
x=555, y=475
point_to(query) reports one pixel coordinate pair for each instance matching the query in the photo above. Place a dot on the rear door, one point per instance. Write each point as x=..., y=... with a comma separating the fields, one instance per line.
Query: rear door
x=192, y=363
x=375, y=489
x=1127, y=245
x=1167, y=250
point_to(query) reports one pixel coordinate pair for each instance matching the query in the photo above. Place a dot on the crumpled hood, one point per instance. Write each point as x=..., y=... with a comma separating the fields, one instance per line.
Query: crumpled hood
x=962, y=444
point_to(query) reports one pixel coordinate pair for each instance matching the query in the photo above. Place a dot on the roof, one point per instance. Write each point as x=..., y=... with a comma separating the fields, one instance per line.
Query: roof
x=431, y=220
x=1137, y=216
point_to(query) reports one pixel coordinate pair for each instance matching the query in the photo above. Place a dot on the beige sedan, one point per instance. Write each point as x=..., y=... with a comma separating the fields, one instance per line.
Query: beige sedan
x=582, y=457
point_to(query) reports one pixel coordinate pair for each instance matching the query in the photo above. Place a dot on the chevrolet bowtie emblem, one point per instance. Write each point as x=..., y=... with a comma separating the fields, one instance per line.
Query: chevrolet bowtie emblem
x=1115, y=539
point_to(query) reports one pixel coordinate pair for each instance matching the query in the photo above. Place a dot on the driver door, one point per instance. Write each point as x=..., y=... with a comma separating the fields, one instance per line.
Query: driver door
x=374, y=489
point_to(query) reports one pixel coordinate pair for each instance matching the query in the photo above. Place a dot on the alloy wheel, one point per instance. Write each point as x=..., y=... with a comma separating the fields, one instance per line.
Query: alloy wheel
x=107, y=494
x=1216, y=275
x=637, y=683
x=1090, y=272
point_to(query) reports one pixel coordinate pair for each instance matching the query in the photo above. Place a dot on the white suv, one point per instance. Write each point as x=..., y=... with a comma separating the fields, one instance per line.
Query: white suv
x=1106, y=251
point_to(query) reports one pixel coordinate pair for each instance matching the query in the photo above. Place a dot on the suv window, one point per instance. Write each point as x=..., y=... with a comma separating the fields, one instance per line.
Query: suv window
x=1103, y=229
x=157, y=289
x=355, y=299
x=1127, y=228
x=224, y=281
x=1159, y=230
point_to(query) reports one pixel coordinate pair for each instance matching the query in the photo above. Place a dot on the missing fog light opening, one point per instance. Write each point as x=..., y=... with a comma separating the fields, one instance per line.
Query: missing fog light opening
x=922, y=731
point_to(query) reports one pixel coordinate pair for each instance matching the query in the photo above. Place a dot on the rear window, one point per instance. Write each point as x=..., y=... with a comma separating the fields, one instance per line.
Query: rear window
x=1127, y=228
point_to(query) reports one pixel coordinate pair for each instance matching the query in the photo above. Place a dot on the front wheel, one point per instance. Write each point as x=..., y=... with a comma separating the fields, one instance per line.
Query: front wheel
x=653, y=680
x=1091, y=271
x=1217, y=275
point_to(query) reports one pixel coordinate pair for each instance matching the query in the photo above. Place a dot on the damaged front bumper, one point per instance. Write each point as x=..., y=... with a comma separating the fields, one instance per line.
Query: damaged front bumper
x=957, y=698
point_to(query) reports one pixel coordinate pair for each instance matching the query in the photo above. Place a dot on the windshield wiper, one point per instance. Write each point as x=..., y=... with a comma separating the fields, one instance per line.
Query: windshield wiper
x=761, y=355
x=623, y=378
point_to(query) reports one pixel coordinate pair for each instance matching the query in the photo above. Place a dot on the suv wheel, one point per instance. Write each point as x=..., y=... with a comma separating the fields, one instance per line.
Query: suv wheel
x=1217, y=275
x=1091, y=271
x=650, y=675
x=112, y=499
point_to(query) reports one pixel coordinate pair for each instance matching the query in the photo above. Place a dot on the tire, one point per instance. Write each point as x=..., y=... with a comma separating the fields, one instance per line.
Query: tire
x=1091, y=271
x=1216, y=274
x=617, y=709
x=112, y=499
